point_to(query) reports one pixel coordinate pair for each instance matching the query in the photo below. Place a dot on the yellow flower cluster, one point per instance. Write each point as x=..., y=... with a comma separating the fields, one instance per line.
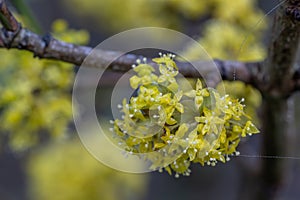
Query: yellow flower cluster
x=229, y=41
x=66, y=171
x=170, y=133
x=233, y=32
x=238, y=89
x=35, y=94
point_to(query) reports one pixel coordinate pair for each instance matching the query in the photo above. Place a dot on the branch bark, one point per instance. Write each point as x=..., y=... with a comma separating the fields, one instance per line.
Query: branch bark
x=51, y=48
x=280, y=78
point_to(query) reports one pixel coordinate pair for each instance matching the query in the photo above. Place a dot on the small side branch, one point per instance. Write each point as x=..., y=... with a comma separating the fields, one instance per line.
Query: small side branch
x=7, y=19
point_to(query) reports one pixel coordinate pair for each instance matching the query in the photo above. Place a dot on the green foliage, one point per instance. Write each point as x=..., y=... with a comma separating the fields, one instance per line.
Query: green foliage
x=35, y=94
x=66, y=171
x=166, y=121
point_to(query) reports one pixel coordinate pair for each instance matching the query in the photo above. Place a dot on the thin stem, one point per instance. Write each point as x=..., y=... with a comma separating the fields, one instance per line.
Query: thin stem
x=7, y=19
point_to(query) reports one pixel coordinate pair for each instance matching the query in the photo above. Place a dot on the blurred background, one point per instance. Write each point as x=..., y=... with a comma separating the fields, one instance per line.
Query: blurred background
x=41, y=156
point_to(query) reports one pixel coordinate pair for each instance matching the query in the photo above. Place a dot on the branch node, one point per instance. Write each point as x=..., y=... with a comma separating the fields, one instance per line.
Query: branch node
x=7, y=37
x=47, y=38
x=7, y=19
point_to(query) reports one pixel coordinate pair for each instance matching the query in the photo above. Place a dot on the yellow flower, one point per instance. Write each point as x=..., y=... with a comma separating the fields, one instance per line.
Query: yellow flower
x=199, y=93
x=212, y=134
x=210, y=121
x=249, y=129
x=144, y=75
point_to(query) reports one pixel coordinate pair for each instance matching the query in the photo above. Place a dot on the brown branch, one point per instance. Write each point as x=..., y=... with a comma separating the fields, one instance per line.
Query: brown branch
x=280, y=80
x=51, y=48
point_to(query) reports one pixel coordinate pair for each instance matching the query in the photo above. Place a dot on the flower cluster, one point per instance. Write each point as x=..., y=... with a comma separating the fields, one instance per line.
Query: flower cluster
x=172, y=127
x=59, y=161
x=35, y=94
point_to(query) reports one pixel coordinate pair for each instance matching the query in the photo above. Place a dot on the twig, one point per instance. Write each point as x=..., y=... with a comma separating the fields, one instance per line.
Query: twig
x=8, y=21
